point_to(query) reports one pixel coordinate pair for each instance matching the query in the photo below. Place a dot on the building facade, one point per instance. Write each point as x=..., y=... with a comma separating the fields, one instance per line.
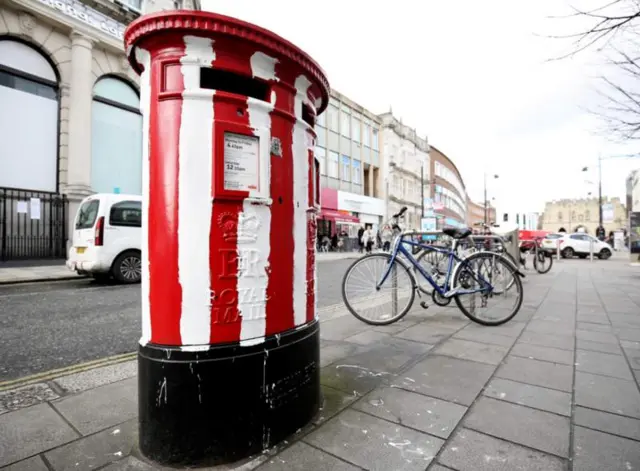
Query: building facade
x=448, y=192
x=571, y=214
x=525, y=221
x=348, y=148
x=476, y=214
x=633, y=191
x=406, y=169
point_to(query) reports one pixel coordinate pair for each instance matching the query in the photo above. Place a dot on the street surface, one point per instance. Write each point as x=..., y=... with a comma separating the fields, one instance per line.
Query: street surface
x=53, y=325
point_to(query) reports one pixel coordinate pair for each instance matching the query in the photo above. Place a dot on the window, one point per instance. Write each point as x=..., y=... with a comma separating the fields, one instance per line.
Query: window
x=573, y=215
x=356, y=172
x=322, y=136
x=355, y=127
x=333, y=164
x=321, y=154
x=587, y=215
x=346, y=168
x=345, y=121
x=560, y=216
x=322, y=120
x=332, y=117
x=366, y=133
x=375, y=138
x=505, y=217
x=87, y=214
x=116, y=138
x=580, y=218
x=126, y=213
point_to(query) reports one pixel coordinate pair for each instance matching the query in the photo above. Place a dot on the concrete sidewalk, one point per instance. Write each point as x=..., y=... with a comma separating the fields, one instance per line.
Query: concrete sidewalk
x=554, y=389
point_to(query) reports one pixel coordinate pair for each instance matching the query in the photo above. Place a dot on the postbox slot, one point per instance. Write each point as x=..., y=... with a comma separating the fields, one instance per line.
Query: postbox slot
x=230, y=82
x=308, y=115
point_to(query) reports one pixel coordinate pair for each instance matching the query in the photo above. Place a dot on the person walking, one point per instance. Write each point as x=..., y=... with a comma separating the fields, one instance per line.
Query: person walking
x=386, y=236
x=360, y=240
x=368, y=238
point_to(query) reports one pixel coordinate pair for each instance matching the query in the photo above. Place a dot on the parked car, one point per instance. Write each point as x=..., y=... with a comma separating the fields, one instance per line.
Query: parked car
x=580, y=244
x=107, y=237
x=550, y=242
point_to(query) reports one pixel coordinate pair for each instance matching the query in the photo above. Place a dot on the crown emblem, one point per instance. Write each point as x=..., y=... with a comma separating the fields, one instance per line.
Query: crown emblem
x=242, y=228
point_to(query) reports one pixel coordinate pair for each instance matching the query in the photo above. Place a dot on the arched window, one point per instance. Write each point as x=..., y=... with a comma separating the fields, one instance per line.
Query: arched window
x=28, y=118
x=560, y=216
x=587, y=215
x=116, y=138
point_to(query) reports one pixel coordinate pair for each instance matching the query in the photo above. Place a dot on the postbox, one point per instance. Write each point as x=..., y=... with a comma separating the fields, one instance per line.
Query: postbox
x=229, y=353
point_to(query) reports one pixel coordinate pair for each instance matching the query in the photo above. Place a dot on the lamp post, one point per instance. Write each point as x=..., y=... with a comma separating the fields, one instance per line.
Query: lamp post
x=485, y=195
x=584, y=169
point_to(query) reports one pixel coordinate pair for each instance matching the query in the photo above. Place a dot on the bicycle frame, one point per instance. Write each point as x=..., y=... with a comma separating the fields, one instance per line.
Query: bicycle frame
x=400, y=249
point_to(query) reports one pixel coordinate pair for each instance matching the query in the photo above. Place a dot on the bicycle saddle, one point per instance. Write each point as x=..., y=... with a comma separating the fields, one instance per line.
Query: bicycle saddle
x=457, y=233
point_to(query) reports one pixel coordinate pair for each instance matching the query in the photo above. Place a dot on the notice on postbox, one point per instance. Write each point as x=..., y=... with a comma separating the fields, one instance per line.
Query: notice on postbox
x=241, y=162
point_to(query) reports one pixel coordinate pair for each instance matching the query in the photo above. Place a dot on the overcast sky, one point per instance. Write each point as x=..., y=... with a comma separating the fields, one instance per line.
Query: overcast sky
x=472, y=76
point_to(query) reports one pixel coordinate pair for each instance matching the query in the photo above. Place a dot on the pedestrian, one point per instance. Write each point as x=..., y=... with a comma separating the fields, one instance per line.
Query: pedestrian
x=368, y=238
x=360, y=242
x=386, y=236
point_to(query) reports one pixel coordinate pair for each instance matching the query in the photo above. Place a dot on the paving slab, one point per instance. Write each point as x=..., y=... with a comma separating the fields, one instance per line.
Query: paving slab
x=474, y=351
x=610, y=423
x=342, y=327
x=333, y=401
x=599, y=347
x=533, y=428
x=118, y=403
x=607, y=394
x=598, y=451
x=332, y=351
x=427, y=414
x=548, y=340
x=538, y=373
x=627, y=320
x=594, y=327
x=26, y=396
x=511, y=329
x=633, y=356
x=550, y=400
x=447, y=378
x=130, y=463
x=98, y=377
x=373, y=443
x=566, y=328
x=96, y=450
x=594, y=318
x=537, y=352
x=602, y=337
x=474, y=451
x=31, y=464
x=368, y=337
x=628, y=333
x=486, y=336
x=32, y=430
x=303, y=457
x=605, y=364
x=426, y=332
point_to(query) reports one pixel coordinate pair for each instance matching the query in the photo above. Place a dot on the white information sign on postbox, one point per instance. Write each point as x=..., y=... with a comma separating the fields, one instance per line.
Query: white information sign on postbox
x=241, y=162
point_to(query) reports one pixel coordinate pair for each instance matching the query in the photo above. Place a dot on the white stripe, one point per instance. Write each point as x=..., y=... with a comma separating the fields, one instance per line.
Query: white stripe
x=254, y=228
x=263, y=66
x=300, y=204
x=194, y=194
x=144, y=58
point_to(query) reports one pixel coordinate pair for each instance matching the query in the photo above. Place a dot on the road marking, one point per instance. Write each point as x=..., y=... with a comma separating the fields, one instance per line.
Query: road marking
x=56, y=373
x=107, y=361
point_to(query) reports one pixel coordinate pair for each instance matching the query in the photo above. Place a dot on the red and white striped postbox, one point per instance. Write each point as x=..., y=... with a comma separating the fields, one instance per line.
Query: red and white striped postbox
x=229, y=354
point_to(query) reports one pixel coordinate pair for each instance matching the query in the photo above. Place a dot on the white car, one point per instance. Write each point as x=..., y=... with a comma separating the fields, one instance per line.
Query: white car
x=107, y=237
x=580, y=244
x=550, y=242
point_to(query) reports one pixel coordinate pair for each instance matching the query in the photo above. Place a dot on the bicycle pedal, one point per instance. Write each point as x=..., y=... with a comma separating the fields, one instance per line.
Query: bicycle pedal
x=424, y=305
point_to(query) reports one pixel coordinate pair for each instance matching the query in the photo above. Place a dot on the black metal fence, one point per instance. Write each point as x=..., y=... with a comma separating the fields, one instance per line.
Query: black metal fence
x=33, y=225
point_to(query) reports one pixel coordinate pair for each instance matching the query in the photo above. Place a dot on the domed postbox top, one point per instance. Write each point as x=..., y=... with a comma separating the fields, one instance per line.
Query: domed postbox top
x=212, y=25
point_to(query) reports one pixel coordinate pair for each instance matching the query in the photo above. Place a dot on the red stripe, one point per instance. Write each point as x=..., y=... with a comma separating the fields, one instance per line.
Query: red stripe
x=311, y=241
x=280, y=287
x=165, y=293
x=223, y=247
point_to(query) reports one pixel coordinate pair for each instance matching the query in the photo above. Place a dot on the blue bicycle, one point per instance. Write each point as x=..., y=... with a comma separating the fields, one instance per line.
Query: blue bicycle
x=389, y=286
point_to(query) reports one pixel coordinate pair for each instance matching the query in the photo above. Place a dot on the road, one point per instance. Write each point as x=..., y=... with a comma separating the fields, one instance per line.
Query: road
x=52, y=325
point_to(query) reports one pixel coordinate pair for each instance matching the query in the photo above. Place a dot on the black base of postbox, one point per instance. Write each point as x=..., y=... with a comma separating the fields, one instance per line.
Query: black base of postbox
x=229, y=402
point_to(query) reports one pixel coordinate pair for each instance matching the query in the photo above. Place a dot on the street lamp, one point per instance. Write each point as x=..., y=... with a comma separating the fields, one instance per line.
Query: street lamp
x=485, y=195
x=584, y=169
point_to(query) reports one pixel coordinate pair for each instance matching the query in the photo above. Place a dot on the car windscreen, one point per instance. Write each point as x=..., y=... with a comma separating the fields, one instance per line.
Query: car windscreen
x=87, y=214
x=553, y=236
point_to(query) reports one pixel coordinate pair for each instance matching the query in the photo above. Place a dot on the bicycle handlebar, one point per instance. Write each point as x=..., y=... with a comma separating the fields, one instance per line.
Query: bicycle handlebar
x=401, y=212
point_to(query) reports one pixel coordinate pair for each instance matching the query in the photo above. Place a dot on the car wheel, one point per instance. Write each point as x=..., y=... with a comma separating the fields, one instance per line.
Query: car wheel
x=127, y=268
x=604, y=254
x=568, y=252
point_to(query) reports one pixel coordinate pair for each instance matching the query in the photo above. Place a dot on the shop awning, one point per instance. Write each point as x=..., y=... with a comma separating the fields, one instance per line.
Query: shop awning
x=337, y=216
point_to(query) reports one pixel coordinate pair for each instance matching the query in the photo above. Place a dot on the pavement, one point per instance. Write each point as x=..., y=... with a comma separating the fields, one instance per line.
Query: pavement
x=13, y=273
x=556, y=388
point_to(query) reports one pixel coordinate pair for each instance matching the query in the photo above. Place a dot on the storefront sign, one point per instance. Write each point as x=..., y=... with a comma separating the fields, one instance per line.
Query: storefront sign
x=241, y=162
x=89, y=16
x=360, y=204
x=429, y=224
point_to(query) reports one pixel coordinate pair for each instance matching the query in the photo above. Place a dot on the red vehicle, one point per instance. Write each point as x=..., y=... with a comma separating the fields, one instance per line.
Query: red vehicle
x=528, y=238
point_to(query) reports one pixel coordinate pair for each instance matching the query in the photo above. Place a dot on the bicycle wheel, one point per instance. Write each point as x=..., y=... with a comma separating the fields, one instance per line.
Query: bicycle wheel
x=541, y=262
x=497, y=279
x=434, y=263
x=390, y=302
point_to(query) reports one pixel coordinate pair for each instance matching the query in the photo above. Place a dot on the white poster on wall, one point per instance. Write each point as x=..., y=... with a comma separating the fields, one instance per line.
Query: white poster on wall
x=35, y=208
x=241, y=162
x=22, y=207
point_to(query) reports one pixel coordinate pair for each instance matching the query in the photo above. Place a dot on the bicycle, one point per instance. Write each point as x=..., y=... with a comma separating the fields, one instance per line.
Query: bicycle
x=459, y=283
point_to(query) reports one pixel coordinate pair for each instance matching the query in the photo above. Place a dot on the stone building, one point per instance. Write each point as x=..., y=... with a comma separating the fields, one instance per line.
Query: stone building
x=570, y=214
